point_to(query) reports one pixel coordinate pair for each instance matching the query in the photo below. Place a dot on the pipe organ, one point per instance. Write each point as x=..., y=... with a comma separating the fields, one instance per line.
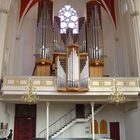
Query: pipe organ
x=94, y=38
x=72, y=67
x=44, y=37
x=72, y=57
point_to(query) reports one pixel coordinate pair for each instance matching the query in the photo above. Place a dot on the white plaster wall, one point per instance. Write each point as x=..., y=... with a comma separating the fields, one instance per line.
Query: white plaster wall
x=109, y=113
x=56, y=111
x=11, y=117
x=26, y=44
x=40, y=118
x=78, y=130
x=132, y=123
x=126, y=54
x=10, y=40
x=113, y=113
x=4, y=115
x=59, y=109
x=109, y=44
x=19, y=48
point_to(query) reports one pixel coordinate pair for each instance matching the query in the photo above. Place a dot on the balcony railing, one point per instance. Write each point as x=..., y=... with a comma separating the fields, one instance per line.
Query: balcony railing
x=97, y=86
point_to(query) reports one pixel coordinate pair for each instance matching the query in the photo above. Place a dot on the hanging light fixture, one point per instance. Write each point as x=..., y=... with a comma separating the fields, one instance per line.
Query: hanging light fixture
x=117, y=96
x=30, y=96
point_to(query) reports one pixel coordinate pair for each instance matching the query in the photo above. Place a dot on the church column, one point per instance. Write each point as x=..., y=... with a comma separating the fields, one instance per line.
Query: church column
x=92, y=111
x=4, y=9
x=135, y=14
x=47, y=115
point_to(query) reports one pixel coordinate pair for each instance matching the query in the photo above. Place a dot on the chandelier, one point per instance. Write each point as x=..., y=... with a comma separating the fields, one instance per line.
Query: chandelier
x=117, y=96
x=30, y=96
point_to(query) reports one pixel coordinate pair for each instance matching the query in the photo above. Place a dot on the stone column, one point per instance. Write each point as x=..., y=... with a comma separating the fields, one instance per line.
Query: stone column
x=92, y=111
x=47, y=125
x=134, y=6
x=4, y=10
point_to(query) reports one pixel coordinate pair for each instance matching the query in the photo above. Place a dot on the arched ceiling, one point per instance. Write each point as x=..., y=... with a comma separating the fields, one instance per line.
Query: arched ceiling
x=107, y=4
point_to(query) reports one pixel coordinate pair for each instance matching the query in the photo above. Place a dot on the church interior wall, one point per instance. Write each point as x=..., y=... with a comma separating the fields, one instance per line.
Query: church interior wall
x=27, y=42
x=4, y=115
x=128, y=121
x=10, y=48
x=125, y=41
x=117, y=43
x=109, y=113
x=132, y=124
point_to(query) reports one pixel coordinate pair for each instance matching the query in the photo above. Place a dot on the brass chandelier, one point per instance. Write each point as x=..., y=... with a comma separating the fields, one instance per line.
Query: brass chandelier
x=30, y=97
x=117, y=96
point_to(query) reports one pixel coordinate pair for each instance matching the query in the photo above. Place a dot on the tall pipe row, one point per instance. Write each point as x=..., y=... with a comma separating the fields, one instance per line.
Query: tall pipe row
x=44, y=32
x=94, y=34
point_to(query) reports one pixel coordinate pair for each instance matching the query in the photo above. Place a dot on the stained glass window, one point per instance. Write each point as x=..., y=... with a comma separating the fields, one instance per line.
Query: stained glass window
x=69, y=19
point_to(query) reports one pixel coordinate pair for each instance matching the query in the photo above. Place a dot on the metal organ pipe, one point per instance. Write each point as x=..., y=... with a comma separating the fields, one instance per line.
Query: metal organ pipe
x=82, y=38
x=44, y=27
x=73, y=69
x=94, y=34
x=59, y=45
x=61, y=76
x=84, y=75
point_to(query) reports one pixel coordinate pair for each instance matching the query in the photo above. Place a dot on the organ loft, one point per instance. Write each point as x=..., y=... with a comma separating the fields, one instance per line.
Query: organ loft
x=69, y=55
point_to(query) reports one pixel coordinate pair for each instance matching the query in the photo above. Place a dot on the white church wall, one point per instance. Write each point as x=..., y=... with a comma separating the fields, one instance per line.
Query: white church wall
x=132, y=124
x=19, y=48
x=40, y=118
x=4, y=115
x=111, y=113
x=27, y=41
x=126, y=42
x=3, y=118
x=109, y=44
x=11, y=115
x=78, y=130
x=9, y=61
x=56, y=111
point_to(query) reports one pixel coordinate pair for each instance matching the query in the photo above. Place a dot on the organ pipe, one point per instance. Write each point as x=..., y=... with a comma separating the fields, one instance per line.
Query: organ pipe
x=94, y=34
x=44, y=33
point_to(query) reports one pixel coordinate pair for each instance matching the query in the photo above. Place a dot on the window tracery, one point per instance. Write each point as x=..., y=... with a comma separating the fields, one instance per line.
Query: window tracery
x=69, y=19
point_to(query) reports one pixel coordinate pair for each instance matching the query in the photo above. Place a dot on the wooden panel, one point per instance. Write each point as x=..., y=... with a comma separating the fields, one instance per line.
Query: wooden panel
x=24, y=128
x=96, y=71
x=25, y=122
x=42, y=70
